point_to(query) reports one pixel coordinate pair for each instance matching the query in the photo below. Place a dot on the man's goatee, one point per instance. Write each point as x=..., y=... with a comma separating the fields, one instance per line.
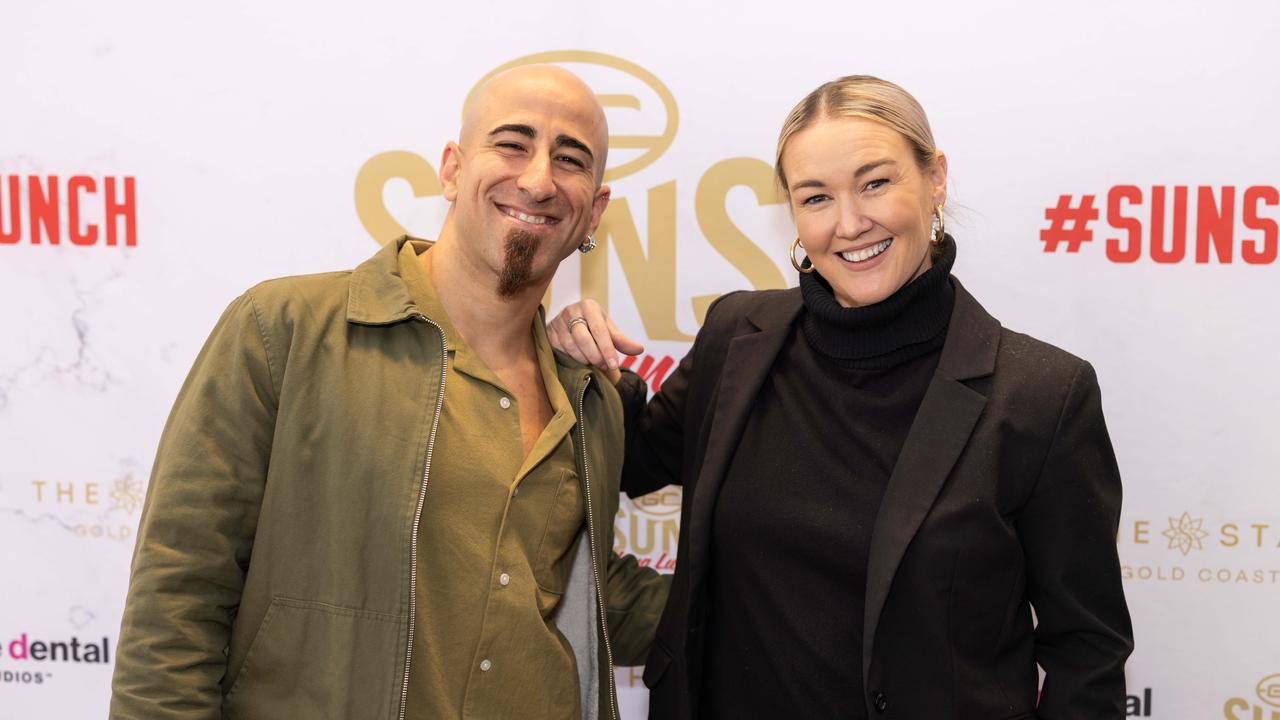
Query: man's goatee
x=518, y=262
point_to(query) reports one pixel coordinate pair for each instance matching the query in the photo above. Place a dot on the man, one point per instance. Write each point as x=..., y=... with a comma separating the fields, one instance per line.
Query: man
x=380, y=494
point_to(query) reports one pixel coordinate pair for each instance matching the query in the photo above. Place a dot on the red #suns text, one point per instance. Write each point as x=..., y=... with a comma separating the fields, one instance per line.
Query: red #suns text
x=1171, y=224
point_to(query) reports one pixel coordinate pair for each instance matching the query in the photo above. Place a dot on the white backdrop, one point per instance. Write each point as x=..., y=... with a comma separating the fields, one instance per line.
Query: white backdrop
x=247, y=140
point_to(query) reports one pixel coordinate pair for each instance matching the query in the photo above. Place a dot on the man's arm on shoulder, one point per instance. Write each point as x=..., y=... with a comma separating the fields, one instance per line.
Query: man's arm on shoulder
x=197, y=527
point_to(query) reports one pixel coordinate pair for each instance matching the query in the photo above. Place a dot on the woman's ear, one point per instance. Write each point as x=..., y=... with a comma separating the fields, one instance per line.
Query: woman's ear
x=937, y=175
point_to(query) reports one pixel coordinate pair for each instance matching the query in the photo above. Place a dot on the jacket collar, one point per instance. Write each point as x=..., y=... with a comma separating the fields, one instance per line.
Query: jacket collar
x=378, y=293
x=379, y=296
x=972, y=339
x=779, y=314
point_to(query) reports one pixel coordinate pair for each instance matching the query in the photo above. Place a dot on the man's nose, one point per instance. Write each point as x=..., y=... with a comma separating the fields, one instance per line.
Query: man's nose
x=536, y=178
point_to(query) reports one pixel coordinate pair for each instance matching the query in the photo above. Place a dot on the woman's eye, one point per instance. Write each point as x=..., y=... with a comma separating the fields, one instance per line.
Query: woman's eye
x=813, y=199
x=877, y=183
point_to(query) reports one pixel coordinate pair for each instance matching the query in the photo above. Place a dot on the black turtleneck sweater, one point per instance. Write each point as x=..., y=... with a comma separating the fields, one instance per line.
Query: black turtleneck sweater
x=792, y=524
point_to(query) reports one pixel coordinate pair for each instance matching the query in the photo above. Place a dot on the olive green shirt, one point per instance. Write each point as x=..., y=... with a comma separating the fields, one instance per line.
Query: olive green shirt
x=496, y=540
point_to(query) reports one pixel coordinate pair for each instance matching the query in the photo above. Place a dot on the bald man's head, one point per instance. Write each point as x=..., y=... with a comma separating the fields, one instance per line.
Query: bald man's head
x=549, y=84
x=524, y=177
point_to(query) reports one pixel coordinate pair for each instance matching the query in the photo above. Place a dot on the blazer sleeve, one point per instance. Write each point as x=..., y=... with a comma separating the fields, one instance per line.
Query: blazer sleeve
x=196, y=530
x=656, y=431
x=1068, y=531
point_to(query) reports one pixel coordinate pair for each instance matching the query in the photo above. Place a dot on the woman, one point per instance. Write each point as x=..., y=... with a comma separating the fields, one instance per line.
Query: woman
x=880, y=482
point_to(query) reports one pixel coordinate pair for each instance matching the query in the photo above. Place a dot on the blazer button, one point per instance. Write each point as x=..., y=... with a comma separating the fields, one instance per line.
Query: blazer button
x=880, y=702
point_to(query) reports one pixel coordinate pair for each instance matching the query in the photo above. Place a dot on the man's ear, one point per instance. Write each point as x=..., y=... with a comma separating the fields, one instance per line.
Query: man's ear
x=450, y=166
x=598, y=204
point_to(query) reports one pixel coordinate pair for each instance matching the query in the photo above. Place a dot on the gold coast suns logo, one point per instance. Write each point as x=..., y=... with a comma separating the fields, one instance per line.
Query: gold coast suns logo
x=649, y=528
x=1266, y=705
x=732, y=196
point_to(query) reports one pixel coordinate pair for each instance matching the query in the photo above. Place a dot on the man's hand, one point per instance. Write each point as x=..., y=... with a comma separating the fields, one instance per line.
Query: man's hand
x=584, y=331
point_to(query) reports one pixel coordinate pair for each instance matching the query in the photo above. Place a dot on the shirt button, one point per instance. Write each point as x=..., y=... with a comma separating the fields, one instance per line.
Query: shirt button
x=504, y=579
x=505, y=402
x=485, y=665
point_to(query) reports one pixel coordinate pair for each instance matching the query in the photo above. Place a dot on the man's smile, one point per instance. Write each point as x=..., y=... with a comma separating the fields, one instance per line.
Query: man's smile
x=527, y=217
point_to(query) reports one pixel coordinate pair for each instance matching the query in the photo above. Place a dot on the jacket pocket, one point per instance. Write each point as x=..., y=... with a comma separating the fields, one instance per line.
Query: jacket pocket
x=656, y=666
x=315, y=660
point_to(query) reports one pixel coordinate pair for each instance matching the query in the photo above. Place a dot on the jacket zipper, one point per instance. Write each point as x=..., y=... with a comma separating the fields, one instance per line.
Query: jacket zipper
x=417, y=513
x=591, y=542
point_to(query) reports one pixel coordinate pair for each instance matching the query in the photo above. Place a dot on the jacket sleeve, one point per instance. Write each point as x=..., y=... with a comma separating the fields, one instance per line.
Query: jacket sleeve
x=637, y=596
x=196, y=530
x=1068, y=531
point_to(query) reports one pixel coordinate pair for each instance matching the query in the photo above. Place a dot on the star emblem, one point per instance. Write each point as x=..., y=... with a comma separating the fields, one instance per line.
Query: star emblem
x=1185, y=533
x=126, y=495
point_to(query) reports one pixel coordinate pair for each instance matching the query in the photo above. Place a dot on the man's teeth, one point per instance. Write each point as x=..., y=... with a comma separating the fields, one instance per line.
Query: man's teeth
x=866, y=253
x=533, y=219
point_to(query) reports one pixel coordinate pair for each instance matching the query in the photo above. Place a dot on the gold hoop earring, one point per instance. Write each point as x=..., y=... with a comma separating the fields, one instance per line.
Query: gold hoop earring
x=800, y=265
x=939, y=225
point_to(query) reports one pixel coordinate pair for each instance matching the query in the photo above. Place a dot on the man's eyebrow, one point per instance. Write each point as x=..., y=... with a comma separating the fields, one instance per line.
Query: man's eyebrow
x=857, y=174
x=524, y=130
x=575, y=143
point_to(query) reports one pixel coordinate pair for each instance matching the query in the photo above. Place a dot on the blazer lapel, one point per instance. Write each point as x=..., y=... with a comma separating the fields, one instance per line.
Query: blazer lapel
x=750, y=355
x=938, y=435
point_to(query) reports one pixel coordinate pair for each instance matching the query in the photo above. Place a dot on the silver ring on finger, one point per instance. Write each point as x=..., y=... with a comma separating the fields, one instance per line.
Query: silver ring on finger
x=574, y=321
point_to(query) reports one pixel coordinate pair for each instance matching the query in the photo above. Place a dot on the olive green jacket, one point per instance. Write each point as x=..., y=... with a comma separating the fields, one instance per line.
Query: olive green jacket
x=274, y=571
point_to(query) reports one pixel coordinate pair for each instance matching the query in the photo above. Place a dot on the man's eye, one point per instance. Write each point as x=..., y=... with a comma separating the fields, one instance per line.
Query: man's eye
x=510, y=146
x=571, y=160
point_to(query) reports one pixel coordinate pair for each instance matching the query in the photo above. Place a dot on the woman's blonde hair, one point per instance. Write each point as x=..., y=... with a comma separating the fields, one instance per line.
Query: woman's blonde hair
x=866, y=97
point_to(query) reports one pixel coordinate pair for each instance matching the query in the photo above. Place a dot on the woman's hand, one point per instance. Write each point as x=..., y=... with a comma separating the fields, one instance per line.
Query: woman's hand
x=584, y=331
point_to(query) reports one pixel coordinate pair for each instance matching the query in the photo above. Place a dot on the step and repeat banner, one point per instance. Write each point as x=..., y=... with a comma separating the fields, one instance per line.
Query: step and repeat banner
x=1114, y=190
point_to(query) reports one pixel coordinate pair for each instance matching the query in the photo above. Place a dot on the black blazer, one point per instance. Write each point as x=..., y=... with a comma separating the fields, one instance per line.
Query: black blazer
x=1006, y=497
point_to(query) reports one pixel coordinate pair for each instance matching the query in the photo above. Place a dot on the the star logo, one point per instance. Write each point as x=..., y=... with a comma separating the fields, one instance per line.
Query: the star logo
x=126, y=495
x=1185, y=533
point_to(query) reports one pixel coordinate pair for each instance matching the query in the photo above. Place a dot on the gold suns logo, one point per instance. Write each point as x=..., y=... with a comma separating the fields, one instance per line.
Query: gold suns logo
x=649, y=528
x=1266, y=707
x=643, y=120
x=629, y=151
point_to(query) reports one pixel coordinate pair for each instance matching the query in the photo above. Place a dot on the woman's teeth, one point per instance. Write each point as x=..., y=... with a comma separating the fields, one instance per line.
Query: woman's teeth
x=867, y=253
